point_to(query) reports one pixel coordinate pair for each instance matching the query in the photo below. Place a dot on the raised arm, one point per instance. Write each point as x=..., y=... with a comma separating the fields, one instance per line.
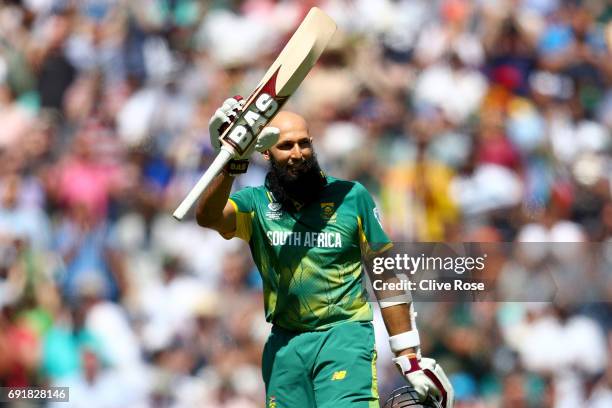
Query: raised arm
x=214, y=209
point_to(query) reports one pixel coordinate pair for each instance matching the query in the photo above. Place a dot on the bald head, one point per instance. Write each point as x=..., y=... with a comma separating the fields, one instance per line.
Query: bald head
x=289, y=122
x=294, y=142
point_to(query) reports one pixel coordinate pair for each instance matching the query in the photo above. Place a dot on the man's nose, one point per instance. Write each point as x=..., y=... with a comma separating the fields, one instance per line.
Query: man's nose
x=296, y=152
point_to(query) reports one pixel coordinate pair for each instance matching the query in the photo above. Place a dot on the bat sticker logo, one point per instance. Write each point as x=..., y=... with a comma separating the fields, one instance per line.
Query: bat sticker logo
x=258, y=111
x=252, y=121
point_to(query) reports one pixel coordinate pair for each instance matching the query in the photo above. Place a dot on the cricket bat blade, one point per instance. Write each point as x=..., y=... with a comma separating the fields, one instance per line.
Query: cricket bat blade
x=281, y=80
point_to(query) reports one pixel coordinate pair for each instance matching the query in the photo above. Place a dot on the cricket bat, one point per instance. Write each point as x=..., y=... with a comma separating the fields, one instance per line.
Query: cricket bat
x=280, y=81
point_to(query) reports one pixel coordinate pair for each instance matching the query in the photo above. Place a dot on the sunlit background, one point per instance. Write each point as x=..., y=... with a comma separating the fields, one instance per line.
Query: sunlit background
x=484, y=121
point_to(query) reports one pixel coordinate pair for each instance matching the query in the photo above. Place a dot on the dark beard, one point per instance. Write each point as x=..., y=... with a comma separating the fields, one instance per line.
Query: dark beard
x=303, y=184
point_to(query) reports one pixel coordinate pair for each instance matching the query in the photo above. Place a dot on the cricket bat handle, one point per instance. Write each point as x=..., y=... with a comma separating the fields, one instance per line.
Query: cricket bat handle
x=215, y=168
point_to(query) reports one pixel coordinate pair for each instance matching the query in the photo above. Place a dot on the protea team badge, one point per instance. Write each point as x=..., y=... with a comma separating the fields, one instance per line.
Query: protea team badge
x=328, y=212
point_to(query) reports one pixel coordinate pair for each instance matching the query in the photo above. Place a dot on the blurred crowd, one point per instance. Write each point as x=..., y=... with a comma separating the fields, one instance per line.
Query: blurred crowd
x=483, y=120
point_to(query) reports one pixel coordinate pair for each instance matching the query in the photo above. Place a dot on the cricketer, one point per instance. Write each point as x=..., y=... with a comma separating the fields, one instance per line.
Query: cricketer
x=308, y=233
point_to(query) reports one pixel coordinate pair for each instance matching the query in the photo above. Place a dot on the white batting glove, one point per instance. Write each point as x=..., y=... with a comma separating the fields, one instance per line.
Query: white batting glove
x=265, y=140
x=224, y=116
x=427, y=378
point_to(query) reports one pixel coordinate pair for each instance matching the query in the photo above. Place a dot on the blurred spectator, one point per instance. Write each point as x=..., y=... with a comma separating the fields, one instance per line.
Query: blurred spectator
x=20, y=221
x=452, y=87
x=90, y=175
x=416, y=198
x=88, y=255
x=168, y=320
x=55, y=72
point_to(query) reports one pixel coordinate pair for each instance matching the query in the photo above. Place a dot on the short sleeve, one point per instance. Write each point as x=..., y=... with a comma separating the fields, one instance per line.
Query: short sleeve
x=373, y=239
x=244, y=206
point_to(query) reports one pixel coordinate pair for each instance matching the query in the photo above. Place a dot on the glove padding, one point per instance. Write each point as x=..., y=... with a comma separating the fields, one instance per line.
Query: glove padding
x=224, y=116
x=427, y=378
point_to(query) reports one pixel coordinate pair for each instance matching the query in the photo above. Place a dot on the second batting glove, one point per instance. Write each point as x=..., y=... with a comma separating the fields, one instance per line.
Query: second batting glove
x=427, y=378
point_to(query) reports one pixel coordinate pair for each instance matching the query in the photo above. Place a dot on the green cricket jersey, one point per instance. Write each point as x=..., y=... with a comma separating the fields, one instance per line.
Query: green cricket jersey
x=310, y=260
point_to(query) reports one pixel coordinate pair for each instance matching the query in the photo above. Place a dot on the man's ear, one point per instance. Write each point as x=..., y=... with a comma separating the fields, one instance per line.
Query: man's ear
x=266, y=155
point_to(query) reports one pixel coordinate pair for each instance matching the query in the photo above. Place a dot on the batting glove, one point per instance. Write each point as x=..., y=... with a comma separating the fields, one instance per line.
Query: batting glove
x=224, y=116
x=427, y=378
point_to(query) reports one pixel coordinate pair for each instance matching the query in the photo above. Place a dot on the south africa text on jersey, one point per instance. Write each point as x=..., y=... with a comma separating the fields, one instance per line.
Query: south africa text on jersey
x=305, y=239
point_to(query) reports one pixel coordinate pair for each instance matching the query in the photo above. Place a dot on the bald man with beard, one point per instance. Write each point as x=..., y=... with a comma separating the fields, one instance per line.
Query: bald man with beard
x=308, y=233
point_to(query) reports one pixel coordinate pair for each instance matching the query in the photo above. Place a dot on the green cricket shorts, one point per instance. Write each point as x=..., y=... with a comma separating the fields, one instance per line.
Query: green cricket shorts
x=331, y=368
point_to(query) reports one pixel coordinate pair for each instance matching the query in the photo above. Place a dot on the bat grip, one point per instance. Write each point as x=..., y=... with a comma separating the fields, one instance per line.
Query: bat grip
x=215, y=168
